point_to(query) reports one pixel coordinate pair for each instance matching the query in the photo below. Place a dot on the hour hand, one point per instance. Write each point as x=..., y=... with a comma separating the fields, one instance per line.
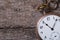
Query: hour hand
x=46, y=24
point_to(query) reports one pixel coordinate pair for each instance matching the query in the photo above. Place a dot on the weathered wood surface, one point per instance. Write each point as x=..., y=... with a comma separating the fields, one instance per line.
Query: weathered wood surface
x=17, y=34
x=20, y=15
x=18, y=12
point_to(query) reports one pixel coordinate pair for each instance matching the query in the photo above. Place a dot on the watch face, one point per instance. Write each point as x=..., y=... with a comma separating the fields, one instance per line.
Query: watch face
x=49, y=27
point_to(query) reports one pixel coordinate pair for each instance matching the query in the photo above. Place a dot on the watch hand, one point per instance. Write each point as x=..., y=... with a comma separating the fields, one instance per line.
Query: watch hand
x=54, y=23
x=47, y=25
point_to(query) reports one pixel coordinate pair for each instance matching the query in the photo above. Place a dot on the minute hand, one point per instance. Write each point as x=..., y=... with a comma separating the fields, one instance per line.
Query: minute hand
x=54, y=23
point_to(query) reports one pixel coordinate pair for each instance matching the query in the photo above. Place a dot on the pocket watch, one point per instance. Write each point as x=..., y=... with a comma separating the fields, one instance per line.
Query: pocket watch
x=48, y=26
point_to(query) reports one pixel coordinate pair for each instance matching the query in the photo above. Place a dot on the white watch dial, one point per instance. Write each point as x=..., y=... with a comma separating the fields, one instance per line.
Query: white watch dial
x=47, y=25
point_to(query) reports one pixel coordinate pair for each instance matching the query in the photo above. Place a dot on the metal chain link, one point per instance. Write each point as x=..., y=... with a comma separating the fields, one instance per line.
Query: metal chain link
x=48, y=6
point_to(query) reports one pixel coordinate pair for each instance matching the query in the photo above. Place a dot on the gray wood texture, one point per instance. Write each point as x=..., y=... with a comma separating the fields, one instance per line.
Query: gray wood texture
x=20, y=15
